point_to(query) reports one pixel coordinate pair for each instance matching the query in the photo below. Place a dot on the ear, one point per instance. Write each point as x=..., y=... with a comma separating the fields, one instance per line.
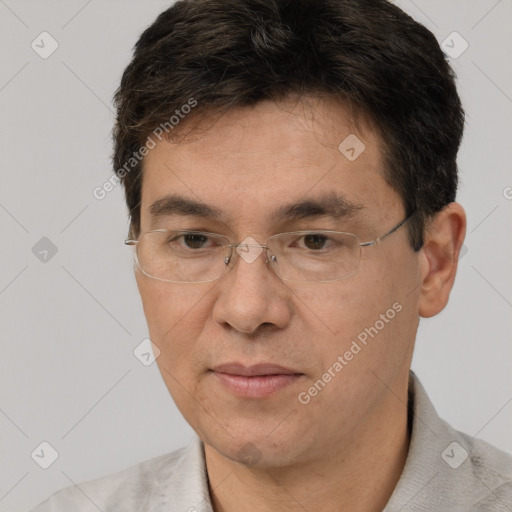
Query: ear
x=443, y=239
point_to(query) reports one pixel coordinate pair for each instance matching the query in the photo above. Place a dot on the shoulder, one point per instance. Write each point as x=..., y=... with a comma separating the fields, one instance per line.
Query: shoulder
x=449, y=470
x=490, y=471
x=133, y=488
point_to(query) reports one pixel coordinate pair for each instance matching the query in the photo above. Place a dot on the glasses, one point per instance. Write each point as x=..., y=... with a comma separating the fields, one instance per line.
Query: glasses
x=189, y=256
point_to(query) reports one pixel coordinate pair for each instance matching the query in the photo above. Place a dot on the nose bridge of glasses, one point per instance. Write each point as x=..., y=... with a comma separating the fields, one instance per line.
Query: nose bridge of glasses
x=249, y=250
x=244, y=244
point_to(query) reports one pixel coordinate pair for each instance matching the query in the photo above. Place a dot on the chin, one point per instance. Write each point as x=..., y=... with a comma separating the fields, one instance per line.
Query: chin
x=258, y=450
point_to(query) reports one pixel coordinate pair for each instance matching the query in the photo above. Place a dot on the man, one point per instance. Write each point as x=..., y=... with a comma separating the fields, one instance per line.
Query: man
x=290, y=173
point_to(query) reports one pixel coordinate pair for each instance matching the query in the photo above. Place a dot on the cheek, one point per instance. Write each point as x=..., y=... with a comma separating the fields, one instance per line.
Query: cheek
x=368, y=319
x=166, y=304
x=386, y=310
x=158, y=304
x=175, y=316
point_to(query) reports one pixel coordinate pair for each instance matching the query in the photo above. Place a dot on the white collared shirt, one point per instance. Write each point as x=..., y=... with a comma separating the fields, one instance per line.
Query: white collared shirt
x=445, y=471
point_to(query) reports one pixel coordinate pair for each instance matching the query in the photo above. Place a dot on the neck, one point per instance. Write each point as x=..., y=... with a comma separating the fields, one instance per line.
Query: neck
x=358, y=475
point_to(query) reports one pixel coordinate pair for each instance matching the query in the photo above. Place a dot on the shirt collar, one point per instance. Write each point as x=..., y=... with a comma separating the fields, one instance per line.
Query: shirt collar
x=189, y=492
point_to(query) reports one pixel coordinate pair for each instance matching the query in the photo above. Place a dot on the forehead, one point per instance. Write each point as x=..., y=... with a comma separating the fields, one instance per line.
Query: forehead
x=260, y=161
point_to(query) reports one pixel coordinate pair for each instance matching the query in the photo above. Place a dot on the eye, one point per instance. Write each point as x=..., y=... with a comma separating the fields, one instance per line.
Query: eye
x=190, y=240
x=322, y=242
x=315, y=241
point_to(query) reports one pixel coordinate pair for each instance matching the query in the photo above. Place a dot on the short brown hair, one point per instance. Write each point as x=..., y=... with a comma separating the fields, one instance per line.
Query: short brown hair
x=225, y=54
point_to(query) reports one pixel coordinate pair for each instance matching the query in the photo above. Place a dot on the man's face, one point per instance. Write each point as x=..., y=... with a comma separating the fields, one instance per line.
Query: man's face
x=250, y=163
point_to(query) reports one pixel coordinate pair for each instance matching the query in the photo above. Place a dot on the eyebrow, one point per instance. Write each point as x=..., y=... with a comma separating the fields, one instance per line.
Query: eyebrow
x=332, y=205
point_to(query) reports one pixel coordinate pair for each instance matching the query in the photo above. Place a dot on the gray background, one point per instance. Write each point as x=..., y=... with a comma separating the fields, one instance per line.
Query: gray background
x=70, y=324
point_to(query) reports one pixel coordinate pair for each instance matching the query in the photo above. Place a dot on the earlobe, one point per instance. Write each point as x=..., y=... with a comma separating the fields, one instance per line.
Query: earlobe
x=443, y=240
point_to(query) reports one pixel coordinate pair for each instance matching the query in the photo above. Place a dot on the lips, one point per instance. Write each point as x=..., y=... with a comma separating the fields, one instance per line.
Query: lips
x=254, y=370
x=256, y=381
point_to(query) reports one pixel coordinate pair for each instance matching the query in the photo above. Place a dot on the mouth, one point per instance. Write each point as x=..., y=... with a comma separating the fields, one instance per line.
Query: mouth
x=256, y=381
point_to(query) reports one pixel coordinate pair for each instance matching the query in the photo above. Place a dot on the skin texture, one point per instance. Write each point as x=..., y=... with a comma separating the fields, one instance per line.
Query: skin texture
x=345, y=449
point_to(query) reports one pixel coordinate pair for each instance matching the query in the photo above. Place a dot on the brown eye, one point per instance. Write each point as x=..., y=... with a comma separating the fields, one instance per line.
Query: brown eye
x=189, y=240
x=194, y=241
x=315, y=242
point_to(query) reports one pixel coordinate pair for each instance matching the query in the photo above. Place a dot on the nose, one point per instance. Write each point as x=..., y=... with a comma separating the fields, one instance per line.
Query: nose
x=250, y=294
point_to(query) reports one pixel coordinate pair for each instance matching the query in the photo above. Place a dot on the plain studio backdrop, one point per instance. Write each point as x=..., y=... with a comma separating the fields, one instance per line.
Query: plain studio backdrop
x=71, y=316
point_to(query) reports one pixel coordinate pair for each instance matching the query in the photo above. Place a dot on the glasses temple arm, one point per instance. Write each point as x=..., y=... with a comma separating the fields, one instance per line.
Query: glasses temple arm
x=390, y=232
